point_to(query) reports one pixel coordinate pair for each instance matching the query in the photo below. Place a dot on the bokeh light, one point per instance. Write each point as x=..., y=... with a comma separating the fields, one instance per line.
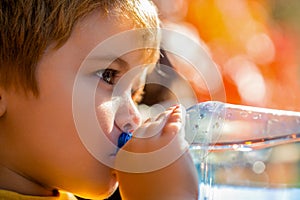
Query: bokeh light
x=255, y=43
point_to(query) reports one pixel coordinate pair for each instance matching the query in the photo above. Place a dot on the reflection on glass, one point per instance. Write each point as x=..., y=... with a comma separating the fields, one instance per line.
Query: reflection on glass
x=244, y=152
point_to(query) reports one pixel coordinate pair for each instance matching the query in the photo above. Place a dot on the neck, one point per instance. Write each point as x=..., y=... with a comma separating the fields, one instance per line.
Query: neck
x=13, y=181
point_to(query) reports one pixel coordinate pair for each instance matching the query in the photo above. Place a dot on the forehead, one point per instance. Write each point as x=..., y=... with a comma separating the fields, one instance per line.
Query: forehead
x=107, y=36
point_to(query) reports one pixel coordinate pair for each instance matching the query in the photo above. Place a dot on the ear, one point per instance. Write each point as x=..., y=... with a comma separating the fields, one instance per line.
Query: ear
x=3, y=104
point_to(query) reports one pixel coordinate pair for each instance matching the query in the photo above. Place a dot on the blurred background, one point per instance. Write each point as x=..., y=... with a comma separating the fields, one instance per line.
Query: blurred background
x=255, y=44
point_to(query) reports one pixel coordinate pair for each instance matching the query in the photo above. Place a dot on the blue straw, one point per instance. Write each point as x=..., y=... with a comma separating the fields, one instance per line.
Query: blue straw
x=123, y=138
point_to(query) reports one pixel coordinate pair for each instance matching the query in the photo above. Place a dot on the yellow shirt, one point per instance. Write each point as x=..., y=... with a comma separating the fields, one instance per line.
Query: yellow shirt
x=8, y=195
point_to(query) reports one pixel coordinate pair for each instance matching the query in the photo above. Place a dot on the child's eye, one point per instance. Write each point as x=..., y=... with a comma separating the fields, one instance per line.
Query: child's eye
x=108, y=75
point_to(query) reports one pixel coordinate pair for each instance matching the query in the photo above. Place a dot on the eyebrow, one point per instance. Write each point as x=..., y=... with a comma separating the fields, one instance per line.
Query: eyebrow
x=119, y=61
x=122, y=63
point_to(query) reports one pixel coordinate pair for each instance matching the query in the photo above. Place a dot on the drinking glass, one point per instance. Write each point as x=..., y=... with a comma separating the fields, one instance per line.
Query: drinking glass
x=244, y=152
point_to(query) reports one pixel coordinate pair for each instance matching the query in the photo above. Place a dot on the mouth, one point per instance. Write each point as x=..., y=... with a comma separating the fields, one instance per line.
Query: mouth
x=115, y=134
x=122, y=138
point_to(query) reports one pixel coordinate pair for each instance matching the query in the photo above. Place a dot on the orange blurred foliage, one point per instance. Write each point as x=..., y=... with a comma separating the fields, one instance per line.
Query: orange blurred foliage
x=256, y=55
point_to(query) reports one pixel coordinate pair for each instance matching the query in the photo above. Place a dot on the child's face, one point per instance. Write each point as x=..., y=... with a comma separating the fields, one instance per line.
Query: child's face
x=42, y=142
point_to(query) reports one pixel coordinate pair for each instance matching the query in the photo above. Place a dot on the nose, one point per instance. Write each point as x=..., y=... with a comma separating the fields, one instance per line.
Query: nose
x=127, y=116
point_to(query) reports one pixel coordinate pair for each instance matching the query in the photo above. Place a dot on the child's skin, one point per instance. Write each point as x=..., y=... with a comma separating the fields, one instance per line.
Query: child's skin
x=40, y=150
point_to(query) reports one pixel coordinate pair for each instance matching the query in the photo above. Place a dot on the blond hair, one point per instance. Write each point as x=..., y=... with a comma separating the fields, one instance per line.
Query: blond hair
x=28, y=27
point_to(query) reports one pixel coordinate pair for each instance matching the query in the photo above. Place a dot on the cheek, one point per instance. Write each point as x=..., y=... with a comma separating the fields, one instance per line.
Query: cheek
x=105, y=115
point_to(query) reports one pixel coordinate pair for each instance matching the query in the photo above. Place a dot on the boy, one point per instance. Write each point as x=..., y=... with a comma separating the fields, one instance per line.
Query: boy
x=43, y=45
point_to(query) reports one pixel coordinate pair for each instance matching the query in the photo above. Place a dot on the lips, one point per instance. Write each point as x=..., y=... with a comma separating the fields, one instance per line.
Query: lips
x=114, y=137
x=115, y=133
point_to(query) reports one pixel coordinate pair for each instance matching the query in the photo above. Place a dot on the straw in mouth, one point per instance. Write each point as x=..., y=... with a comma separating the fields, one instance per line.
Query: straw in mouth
x=123, y=138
